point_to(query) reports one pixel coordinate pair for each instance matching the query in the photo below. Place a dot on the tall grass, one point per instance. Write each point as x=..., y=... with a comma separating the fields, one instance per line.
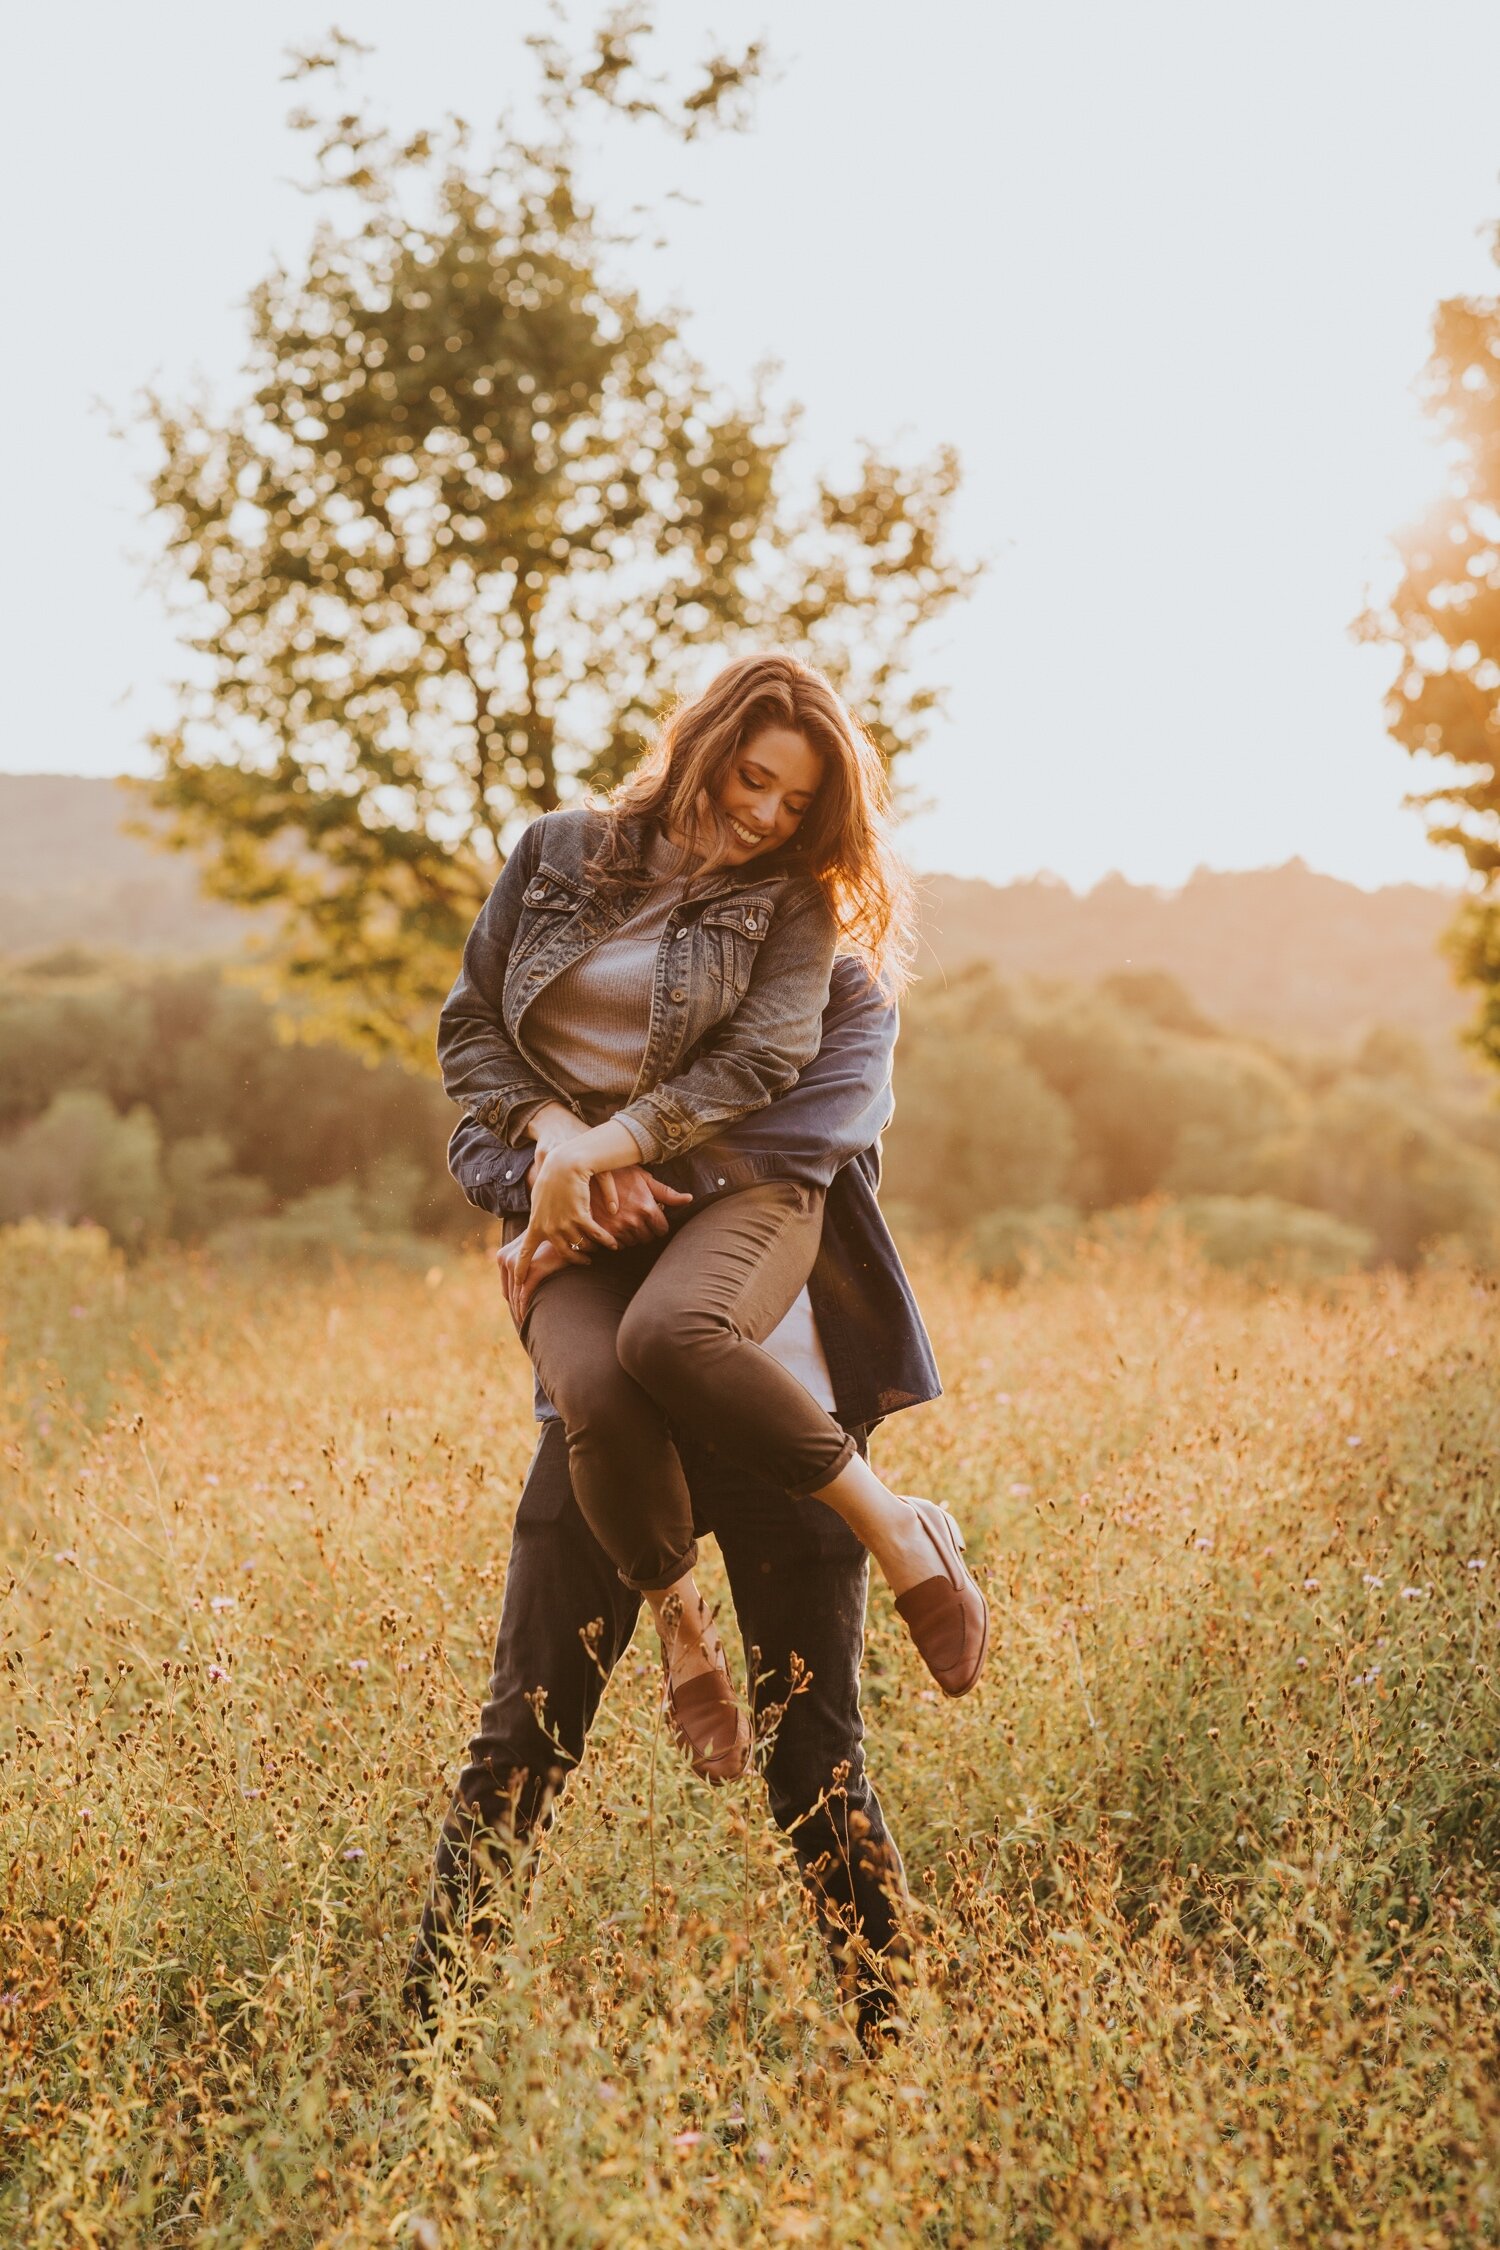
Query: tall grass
x=1204, y=1875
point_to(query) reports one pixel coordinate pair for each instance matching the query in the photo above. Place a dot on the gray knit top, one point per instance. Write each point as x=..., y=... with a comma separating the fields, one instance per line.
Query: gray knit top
x=588, y=1028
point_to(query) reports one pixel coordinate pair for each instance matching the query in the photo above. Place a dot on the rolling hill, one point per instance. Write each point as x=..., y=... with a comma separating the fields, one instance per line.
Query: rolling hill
x=1282, y=950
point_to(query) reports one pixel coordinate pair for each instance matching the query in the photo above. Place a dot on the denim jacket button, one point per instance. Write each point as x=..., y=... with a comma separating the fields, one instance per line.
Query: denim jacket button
x=679, y=993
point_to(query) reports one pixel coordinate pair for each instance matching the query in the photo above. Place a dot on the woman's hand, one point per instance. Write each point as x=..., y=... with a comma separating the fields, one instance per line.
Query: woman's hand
x=562, y=1210
x=640, y=1216
x=518, y=1294
x=549, y=1127
x=562, y=1186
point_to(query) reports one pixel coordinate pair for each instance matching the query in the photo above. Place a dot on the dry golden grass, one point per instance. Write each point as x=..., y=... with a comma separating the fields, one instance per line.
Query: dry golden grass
x=1206, y=1872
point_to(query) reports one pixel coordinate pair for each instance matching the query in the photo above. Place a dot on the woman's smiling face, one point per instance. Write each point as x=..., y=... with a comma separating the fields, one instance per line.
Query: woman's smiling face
x=769, y=786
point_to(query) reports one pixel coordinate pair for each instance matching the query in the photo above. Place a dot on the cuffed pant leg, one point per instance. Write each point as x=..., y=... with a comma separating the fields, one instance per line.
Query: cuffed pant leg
x=564, y=1623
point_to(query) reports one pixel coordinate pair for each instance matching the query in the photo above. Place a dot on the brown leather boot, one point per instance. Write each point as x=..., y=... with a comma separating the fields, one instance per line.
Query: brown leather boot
x=709, y=1722
x=946, y=1615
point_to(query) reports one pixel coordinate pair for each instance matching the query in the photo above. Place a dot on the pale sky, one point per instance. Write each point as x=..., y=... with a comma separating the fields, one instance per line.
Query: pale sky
x=1163, y=272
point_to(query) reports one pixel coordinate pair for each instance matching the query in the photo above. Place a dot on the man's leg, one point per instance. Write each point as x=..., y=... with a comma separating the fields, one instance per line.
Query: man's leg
x=566, y=1620
x=798, y=1577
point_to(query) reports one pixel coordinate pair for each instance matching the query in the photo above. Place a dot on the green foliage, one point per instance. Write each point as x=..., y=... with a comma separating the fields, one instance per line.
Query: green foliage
x=80, y=1161
x=1444, y=620
x=1257, y=1235
x=1022, y=1108
x=327, y=1223
x=1154, y=1109
x=1008, y=1244
x=205, y=1190
x=978, y=1125
x=479, y=518
x=1377, y=1155
x=1261, y=1235
x=173, y=1101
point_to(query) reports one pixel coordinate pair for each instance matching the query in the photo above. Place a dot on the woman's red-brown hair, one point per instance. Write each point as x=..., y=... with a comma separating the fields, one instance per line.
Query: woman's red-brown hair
x=841, y=840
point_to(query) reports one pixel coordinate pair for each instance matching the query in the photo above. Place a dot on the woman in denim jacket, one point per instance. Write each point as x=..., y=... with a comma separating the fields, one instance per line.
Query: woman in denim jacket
x=639, y=978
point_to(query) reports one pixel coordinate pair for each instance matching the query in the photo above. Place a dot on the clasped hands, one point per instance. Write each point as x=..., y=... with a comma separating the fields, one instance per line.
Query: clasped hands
x=578, y=1207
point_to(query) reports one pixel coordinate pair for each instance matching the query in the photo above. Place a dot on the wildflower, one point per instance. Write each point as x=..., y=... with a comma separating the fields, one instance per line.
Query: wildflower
x=1021, y=1491
x=247, y=1793
x=682, y=2142
x=1354, y=1441
x=210, y=1480
x=1302, y=1663
x=217, y=1672
x=223, y=1601
x=1372, y=1578
x=353, y=1852
x=1311, y=1585
x=359, y=1664
x=69, y=1555
x=1204, y=1546
x=1415, y=1593
x=1475, y=1562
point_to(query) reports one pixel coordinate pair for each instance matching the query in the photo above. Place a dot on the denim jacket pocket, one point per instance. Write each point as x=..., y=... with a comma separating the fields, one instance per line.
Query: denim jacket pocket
x=734, y=929
x=546, y=902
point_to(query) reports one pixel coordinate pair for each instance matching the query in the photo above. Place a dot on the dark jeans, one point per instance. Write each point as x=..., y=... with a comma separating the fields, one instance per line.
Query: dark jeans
x=797, y=1575
x=665, y=1336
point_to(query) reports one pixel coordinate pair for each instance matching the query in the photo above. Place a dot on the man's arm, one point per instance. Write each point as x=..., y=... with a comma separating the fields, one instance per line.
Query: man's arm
x=837, y=1110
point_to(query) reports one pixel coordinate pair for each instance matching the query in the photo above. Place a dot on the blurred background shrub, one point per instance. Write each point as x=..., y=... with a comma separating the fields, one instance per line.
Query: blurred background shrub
x=173, y=1102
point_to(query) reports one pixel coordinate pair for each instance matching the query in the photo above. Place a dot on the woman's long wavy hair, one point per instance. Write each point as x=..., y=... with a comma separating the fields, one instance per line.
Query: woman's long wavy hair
x=841, y=840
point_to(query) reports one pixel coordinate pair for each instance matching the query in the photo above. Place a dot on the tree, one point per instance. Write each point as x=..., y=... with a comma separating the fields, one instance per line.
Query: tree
x=976, y=1126
x=1445, y=620
x=81, y=1160
x=479, y=518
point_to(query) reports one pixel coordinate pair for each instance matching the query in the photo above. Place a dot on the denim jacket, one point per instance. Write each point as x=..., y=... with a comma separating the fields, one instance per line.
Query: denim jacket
x=736, y=1004
x=825, y=1131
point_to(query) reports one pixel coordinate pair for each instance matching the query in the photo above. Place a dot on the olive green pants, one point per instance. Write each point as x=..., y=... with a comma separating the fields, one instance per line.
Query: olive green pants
x=665, y=1336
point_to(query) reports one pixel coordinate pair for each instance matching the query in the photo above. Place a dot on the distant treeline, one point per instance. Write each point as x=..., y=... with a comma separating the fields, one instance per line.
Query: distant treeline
x=1296, y=955
x=167, y=1103
x=1026, y=1112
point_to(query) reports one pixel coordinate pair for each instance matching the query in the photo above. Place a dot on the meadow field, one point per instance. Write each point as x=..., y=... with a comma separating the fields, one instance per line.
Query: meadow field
x=1205, y=1875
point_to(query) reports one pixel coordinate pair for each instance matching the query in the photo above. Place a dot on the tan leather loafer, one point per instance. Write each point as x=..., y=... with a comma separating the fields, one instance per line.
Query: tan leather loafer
x=946, y=1615
x=710, y=1724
